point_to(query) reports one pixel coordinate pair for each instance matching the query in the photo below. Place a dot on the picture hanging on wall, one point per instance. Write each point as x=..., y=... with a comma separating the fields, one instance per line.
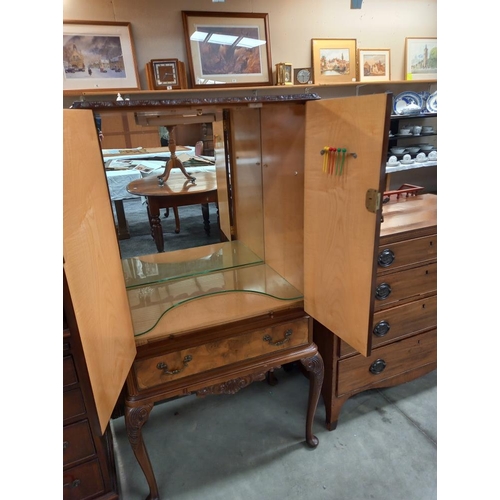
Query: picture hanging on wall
x=420, y=58
x=228, y=49
x=98, y=56
x=374, y=65
x=334, y=60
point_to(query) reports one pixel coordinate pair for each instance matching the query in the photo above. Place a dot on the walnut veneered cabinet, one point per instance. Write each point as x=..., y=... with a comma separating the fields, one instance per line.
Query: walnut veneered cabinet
x=306, y=179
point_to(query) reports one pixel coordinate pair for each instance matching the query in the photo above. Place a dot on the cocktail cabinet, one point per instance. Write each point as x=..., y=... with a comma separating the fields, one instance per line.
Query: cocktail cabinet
x=299, y=191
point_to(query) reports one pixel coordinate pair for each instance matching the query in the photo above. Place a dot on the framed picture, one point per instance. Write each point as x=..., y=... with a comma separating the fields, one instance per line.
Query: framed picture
x=98, y=56
x=333, y=60
x=421, y=58
x=374, y=65
x=228, y=49
x=166, y=74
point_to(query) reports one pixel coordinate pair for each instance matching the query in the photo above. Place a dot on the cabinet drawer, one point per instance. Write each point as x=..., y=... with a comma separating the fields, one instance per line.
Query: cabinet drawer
x=405, y=285
x=83, y=481
x=157, y=370
x=73, y=404
x=400, y=321
x=358, y=372
x=405, y=253
x=69, y=372
x=77, y=442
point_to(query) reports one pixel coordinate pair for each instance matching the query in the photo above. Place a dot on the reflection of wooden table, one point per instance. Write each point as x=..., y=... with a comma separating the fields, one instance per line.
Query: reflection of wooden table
x=177, y=191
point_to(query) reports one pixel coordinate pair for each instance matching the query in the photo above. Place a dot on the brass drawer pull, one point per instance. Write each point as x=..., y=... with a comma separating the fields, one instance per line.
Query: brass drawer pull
x=269, y=339
x=166, y=371
x=386, y=258
x=383, y=291
x=377, y=366
x=73, y=484
x=381, y=328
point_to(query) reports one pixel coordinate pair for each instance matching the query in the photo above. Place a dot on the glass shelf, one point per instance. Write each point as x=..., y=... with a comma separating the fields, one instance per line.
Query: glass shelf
x=167, y=266
x=149, y=303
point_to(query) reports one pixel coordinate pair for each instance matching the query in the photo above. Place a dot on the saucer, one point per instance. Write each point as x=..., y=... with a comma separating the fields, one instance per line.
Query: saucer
x=395, y=164
x=405, y=135
x=407, y=162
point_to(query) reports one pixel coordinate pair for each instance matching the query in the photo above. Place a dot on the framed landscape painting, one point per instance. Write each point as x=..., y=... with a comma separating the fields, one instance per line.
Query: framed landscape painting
x=334, y=60
x=374, y=65
x=420, y=58
x=227, y=49
x=98, y=56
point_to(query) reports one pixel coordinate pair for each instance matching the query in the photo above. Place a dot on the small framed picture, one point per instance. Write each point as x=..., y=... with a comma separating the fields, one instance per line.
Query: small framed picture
x=374, y=65
x=166, y=74
x=334, y=60
x=421, y=58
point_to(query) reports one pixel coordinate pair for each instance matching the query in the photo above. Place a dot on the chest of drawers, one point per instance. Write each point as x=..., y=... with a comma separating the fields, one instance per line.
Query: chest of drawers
x=403, y=331
x=88, y=460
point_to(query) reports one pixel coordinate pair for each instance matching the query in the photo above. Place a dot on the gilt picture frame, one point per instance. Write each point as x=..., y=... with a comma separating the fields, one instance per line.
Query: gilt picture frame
x=334, y=60
x=228, y=49
x=421, y=58
x=374, y=65
x=98, y=56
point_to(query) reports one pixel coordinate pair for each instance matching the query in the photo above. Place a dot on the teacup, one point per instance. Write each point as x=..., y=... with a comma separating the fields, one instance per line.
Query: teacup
x=405, y=131
x=393, y=159
x=421, y=157
x=417, y=129
x=406, y=158
x=433, y=155
x=427, y=129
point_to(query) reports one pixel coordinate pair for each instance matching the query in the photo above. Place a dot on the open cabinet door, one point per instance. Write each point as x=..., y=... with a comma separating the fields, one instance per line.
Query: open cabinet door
x=340, y=233
x=92, y=264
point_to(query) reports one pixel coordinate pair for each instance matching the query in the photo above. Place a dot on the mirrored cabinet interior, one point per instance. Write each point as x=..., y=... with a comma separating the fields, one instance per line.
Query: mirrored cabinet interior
x=293, y=279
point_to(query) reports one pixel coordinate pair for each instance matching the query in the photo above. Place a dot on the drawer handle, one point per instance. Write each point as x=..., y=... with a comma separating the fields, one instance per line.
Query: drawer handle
x=163, y=366
x=386, y=258
x=73, y=484
x=377, y=366
x=269, y=339
x=383, y=291
x=381, y=328
x=65, y=445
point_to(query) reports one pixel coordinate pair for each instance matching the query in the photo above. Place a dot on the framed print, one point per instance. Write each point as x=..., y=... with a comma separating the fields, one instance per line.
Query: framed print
x=98, y=56
x=333, y=60
x=228, y=49
x=374, y=65
x=166, y=74
x=420, y=58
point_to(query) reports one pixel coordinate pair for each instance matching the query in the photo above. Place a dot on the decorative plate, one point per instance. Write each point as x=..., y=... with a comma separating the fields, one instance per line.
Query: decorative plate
x=403, y=100
x=432, y=103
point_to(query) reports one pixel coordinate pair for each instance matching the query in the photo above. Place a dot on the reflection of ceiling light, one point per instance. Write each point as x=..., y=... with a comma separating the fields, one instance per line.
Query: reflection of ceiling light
x=250, y=43
x=247, y=43
x=198, y=36
x=222, y=39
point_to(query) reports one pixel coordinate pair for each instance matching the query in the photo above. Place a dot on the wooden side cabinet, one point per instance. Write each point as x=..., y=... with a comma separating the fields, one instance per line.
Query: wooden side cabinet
x=403, y=331
x=88, y=461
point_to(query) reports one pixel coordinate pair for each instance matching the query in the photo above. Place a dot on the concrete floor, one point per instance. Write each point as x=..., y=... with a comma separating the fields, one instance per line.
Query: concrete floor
x=251, y=446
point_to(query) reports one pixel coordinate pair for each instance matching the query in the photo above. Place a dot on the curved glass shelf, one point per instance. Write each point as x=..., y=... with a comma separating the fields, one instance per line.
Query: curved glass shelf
x=149, y=303
x=167, y=266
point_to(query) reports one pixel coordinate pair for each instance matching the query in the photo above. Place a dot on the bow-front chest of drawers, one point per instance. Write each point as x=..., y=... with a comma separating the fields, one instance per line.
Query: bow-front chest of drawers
x=403, y=310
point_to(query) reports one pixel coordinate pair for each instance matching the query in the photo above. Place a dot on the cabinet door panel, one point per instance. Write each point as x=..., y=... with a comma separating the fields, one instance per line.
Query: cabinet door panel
x=341, y=234
x=92, y=265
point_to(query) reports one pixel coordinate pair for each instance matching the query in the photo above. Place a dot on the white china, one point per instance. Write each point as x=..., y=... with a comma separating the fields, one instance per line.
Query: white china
x=407, y=103
x=432, y=103
x=421, y=157
x=417, y=129
x=397, y=151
